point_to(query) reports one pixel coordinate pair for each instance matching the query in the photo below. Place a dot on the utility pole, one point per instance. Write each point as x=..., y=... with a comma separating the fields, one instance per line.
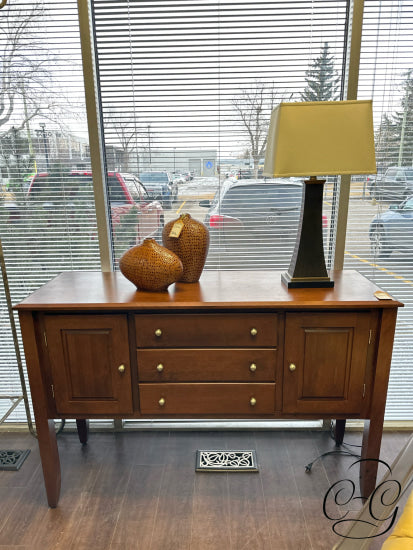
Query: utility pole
x=406, y=106
x=26, y=116
x=16, y=153
x=149, y=145
x=46, y=148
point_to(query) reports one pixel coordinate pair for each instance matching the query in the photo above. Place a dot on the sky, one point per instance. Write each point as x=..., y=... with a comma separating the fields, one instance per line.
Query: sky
x=174, y=69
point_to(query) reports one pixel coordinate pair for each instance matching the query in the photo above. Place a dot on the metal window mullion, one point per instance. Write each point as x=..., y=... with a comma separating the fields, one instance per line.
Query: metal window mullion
x=350, y=92
x=95, y=137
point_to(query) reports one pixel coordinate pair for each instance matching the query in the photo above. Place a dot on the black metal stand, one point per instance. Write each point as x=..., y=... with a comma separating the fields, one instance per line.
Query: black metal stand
x=308, y=268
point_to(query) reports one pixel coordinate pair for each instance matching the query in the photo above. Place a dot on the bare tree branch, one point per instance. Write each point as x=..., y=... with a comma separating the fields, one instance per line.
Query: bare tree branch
x=253, y=106
x=124, y=133
x=26, y=66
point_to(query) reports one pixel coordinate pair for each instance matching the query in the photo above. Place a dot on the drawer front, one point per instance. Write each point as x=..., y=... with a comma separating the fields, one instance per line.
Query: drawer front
x=206, y=330
x=207, y=399
x=207, y=365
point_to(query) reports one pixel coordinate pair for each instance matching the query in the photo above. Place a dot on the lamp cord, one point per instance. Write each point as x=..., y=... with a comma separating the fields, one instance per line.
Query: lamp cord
x=338, y=452
x=346, y=452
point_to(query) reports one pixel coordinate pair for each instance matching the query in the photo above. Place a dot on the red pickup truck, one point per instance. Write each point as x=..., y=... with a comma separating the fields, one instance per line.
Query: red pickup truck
x=131, y=208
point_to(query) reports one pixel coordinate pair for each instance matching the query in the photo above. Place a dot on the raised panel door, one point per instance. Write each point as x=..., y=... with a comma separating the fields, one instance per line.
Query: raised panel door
x=89, y=360
x=325, y=362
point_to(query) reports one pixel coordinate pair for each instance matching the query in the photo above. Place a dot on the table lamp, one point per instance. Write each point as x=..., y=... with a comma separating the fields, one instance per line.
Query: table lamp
x=313, y=139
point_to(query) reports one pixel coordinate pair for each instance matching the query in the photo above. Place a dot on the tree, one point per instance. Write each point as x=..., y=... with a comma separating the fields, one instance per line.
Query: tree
x=19, y=69
x=27, y=87
x=15, y=157
x=403, y=122
x=253, y=106
x=322, y=79
x=394, y=138
x=124, y=133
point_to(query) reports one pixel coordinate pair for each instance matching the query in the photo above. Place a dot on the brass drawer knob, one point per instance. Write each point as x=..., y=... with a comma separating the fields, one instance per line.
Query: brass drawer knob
x=161, y=401
x=253, y=401
x=158, y=332
x=253, y=367
x=159, y=367
x=292, y=367
x=254, y=332
x=121, y=368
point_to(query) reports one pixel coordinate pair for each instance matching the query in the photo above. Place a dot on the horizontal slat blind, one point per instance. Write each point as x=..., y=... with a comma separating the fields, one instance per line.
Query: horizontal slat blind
x=380, y=241
x=42, y=129
x=176, y=81
x=189, y=87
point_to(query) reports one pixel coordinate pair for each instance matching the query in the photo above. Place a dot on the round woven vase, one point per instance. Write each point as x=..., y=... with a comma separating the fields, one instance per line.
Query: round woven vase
x=191, y=246
x=151, y=266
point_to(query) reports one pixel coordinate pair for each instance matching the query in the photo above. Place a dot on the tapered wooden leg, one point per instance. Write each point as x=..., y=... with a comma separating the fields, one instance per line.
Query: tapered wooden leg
x=41, y=396
x=373, y=428
x=82, y=430
x=372, y=434
x=339, y=430
x=46, y=436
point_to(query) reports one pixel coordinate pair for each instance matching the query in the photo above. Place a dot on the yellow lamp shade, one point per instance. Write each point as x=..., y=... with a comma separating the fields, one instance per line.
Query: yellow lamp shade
x=321, y=138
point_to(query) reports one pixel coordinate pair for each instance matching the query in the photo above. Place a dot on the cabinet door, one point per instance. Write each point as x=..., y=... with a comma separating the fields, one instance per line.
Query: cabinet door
x=85, y=353
x=325, y=362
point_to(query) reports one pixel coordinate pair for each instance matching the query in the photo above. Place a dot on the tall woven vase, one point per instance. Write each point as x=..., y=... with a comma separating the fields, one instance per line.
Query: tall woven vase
x=190, y=244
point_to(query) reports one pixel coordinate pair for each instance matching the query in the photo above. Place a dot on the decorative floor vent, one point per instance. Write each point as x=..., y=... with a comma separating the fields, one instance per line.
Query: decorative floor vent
x=12, y=460
x=226, y=461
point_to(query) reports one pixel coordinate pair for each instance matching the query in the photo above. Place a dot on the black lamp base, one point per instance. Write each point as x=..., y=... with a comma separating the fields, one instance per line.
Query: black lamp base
x=307, y=268
x=306, y=282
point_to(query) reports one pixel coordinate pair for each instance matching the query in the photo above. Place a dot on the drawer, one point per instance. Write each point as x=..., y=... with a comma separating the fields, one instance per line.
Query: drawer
x=207, y=365
x=206, y=330
x=207, y=399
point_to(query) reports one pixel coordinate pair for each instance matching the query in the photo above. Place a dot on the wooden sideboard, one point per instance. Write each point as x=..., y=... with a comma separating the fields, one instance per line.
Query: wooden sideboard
x=235, y=345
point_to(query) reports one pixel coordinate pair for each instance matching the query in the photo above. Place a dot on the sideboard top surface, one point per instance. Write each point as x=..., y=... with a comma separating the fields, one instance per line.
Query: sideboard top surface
x=94, y=290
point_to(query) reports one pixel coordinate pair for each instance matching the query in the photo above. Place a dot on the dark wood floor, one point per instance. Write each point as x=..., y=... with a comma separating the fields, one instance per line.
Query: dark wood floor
x=139, y=490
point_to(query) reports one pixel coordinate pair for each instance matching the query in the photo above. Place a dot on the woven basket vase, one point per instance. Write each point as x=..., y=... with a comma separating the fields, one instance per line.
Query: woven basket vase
x=151, y=266
x=191, y=246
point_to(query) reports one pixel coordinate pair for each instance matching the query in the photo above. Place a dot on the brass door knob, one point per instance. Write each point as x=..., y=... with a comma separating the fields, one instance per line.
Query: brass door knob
x=292, y=367
x=158, y=332
x=253, y=367
x=253, y=401
x=161, y=401
x=121, y=368
x=254, y=332
x=159, y=367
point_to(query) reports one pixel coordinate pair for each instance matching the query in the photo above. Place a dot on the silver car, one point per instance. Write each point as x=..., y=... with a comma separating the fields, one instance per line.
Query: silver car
x=253, y=223
x=393, y=230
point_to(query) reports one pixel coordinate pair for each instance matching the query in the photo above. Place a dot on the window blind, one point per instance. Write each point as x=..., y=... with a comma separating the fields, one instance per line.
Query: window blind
x=192, y=84
x=379, y=240
x=47, y=217
x=197, y=81
x=186, y=89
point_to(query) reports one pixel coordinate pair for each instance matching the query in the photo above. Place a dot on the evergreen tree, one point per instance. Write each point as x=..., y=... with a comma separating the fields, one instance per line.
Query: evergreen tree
x=322, y=79
x=394, y=138
x=16, y=158
x=403, y=122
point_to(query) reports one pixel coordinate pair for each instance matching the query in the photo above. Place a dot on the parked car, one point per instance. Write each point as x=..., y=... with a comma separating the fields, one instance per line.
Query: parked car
x=74, y=190
x=393, y=230
x=160, y=186
x=254, y=220
x=370, y=183
x=9, y=208
x=248, y=173
x=395, y=184
x=179, y=178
